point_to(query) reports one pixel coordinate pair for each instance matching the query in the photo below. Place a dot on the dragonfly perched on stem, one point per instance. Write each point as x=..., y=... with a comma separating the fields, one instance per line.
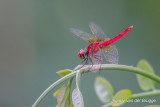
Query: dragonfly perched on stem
x=98, y=44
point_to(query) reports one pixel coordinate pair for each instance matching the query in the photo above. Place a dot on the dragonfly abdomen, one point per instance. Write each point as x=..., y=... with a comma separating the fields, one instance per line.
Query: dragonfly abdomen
x=116, y=37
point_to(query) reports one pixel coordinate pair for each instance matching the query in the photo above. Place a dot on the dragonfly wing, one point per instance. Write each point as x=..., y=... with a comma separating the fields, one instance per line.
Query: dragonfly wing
x=95, y=58
x=96, y=30
x=83, y=35
x=110, y=53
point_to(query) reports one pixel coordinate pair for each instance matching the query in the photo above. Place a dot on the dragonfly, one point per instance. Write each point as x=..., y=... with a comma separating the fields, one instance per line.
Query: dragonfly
x=98, y=44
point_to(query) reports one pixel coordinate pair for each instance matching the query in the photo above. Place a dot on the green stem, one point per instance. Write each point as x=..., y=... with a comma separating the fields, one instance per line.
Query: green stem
x=146, y=94
x=51, y=87
x=103, y=67
x=140, y=95
x=130, y=69
x=70, y=83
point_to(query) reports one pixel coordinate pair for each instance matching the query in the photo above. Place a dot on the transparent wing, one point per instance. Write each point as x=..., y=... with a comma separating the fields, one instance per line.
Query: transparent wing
x=96, y=30
x=95, y=58
x=110, y=53
x=83, y=35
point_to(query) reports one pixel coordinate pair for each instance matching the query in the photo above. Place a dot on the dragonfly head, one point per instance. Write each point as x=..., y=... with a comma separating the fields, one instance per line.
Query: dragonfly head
x=82, y=54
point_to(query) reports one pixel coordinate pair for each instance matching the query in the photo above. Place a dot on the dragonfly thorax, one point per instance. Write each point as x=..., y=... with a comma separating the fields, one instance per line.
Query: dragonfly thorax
x=94, y=47
x=82, y=54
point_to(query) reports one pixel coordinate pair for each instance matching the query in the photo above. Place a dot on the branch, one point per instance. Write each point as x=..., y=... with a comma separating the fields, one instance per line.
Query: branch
x=140, y=95
x=146, y=94
x=103, y=67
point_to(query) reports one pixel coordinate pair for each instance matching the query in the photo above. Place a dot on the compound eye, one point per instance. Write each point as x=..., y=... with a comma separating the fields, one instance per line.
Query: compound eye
x=81, y=53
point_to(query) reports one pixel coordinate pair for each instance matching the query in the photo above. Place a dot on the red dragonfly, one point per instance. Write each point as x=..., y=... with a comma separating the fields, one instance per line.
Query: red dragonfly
x=98, y=44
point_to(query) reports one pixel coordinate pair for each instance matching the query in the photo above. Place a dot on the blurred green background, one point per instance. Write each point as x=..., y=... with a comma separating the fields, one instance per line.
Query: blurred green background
x=35, y=43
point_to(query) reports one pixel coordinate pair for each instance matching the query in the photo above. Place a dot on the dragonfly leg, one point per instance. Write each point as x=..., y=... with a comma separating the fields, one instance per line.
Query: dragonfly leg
x=91, y=63
x=86, y=60
x=83, y=61
x=98, y=57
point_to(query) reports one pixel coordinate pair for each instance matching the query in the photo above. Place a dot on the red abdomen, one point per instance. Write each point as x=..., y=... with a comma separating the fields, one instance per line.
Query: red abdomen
x=116, y=37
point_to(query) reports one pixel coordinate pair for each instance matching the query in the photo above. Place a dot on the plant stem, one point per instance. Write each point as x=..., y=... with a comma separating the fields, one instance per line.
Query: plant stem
x=146, y=94
x=140, y=95
x=70, y=83
x=131, y=69
x=103, y=67
x=51, y=87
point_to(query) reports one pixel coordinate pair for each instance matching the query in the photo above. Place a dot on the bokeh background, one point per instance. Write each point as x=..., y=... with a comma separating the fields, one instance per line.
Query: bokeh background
x=35, y=43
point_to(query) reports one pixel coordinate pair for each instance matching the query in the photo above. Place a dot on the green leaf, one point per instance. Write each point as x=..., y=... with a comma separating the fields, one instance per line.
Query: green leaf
x=56, y=93
x=77, y=98
x=72, y=105
x=67, y=103
x=103, y=89
x=121, y=97
x=145, y=83
x=64, y=72
x=66, y=94
x=61, y=95
x=153, y=106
